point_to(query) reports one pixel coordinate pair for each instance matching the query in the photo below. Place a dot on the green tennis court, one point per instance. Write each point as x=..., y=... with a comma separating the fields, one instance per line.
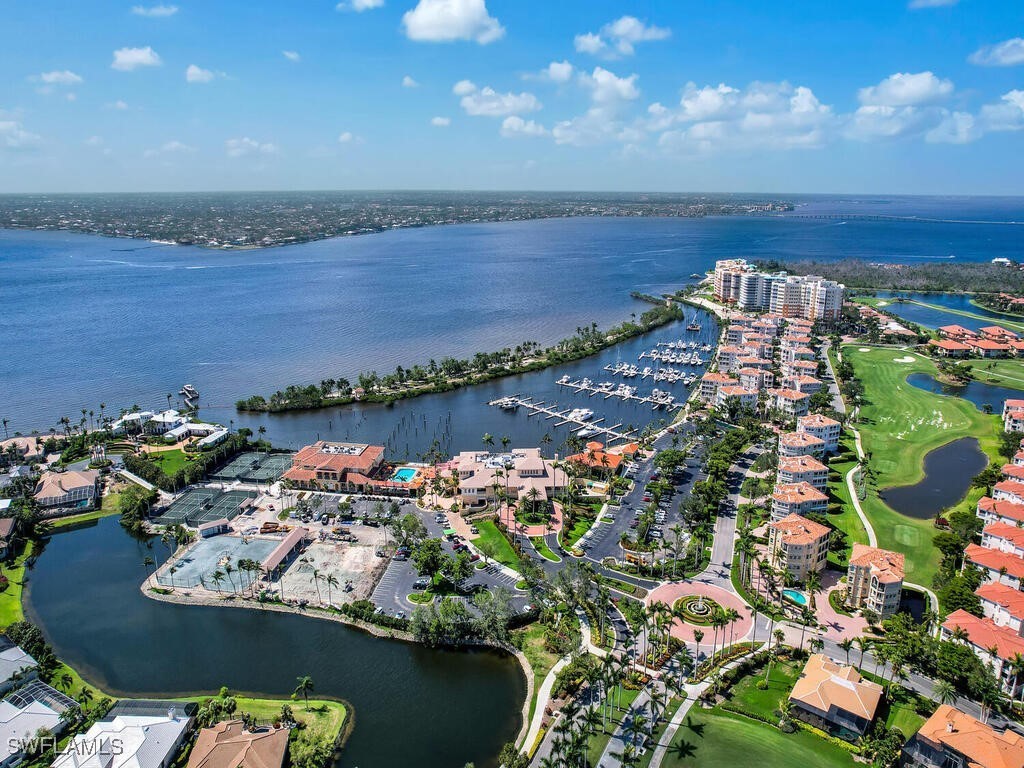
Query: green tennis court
x=203, y=505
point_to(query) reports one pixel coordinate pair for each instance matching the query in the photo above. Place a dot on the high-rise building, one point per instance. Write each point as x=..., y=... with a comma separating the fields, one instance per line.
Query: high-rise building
x=805, y=296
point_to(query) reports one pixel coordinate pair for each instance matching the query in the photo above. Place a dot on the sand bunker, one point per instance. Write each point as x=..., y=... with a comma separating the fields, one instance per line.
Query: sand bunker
x=904, y=359
x=864, y=349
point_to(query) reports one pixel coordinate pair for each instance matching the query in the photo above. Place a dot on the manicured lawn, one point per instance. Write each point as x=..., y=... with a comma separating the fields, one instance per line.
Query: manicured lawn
x=746, y=695
x=713, y=739
x=504, y=552
x=847, y=520
x=1003, y=373
x=109, y=507
x=323, y=718
x=904, y=717
x=574, y=534
x=169, y=461
x=899, y=425
x=10, y=598
x=659, y=731
x=543, y=549
x=540, y=658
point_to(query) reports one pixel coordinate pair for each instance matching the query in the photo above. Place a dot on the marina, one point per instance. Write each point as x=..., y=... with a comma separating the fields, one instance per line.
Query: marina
x=657, y=398
x=577, y=419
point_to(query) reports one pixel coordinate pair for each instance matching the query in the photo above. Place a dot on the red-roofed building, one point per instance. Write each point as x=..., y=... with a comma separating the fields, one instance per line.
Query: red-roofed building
x=800, y=444
x=1013, y=416
x=789, y=401
x=334, y=466
x=952, y=739
x=797, y=499
x=949, y=348
x=1000, y=567
x=596, y=457
x=802, y=469
x=874, y=579
x=997, y=333
x=991, y=511
x=1004, y=537
x=1003, y=604
x=1008, y=490
x=709, y=384
x=798, y=545
x=989, y=348
x=1013, y=472
x=1018, y=459
x=825, y=429
x=984, y=636
x=956, y=332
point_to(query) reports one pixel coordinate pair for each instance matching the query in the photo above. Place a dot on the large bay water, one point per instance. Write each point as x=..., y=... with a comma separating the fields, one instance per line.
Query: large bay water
x=90, y=319
x=413, y=705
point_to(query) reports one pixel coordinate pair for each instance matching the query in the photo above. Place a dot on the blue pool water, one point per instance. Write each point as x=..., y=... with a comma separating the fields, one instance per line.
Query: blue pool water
x=796, y=596
x=403, y=475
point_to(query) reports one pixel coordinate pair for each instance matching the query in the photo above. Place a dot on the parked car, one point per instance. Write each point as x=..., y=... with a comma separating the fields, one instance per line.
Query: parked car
x=421, y=583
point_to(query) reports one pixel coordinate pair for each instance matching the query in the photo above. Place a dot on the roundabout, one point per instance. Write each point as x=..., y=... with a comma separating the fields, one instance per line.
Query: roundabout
x=699, y=612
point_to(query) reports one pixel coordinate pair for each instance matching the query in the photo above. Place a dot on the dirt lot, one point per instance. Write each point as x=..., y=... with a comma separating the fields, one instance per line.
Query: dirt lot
x=351, y=563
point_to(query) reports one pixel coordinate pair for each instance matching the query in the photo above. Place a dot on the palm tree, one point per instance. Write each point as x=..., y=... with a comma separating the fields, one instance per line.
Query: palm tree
x=944, y=691
x=846, y=645
x=304, y=688
x=228, y=570
x=315, y=580
x=331, y=581
x=488, y=439
x=218, y=577
x=698, y=635
x=863, y=644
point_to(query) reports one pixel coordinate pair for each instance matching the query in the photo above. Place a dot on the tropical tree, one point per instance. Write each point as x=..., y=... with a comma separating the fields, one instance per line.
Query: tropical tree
x=304, y=687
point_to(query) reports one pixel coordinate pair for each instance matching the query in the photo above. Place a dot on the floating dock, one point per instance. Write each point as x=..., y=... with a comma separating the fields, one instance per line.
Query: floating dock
x=539, y=408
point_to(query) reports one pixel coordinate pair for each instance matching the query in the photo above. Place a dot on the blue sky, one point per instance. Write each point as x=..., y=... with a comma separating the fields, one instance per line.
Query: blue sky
x=925, y=96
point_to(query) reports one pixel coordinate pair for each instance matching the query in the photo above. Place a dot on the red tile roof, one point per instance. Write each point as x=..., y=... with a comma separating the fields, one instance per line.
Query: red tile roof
x=995, y=560
x=1003, y=595
x=985, y=633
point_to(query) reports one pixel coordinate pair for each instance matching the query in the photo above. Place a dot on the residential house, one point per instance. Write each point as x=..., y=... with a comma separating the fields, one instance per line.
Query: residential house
x=710, y=383
x=800, y=444
x=822, y=427
x=997, y=566
x=835, y=698
x=523, y=473
x=1013, y=415
x=73, y=488
x=993, y=644
x=798, y=545
x=743, y=397
x=789, y=401
x=874, y=580
x=800, y=498
x=127, y=740
x=953, y=739
x=8, y=529
x=991, y=511
x=949, y=348
x=1003, y=604
x=988, y=348
x=1008, y=490
x=16, y=666
x=802, y=469
x=228, y=744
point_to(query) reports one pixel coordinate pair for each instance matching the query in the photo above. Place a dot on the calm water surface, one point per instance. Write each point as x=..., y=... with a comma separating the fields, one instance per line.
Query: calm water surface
x=91, y=319
x=977, y=392
x=948, y=472
x=414, y=706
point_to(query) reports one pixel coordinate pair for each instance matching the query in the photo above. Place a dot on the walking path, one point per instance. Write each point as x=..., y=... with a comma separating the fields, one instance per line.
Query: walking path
x=543, y=696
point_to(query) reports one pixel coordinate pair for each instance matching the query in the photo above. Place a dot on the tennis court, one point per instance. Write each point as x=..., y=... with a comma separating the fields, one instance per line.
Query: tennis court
x=253, y=467
x=209, y=556
x=203, y=505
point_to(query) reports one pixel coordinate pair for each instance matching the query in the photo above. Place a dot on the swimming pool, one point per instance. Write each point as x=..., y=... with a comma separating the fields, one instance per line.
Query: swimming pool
x=796, y=596
x=403, y=475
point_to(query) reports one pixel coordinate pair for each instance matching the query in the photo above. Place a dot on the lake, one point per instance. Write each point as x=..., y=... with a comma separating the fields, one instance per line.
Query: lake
x=948, y=471
x=413, y=705
x=977, y=392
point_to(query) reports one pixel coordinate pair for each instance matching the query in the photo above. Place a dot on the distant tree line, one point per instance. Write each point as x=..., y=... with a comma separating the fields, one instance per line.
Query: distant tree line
x=948, y=276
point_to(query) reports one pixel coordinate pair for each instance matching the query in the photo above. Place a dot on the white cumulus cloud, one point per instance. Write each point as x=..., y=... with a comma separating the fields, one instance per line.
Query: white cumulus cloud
x=14, y=137
x=59, y=77
x=194, y=74
x=487, y=102
x=1008, y=53
x=155, y=11
x=359, y=5
x=955, y=128
x=440, y=122
x=514, y=126
x=620, y=37
x=606, y=86
x=291, y=55
x=1005, y=115
x=409, y=82
x=904, y=89
x=347, y=137
x=127, y=59
x=443, y=21
x=246, y=146
x=558, y=72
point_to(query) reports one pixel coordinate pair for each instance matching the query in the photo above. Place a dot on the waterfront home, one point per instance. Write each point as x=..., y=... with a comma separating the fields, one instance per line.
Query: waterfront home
x=799, y=498
x=595, y=457
x=743, y=397
x=949, y=348
x=734, y=334
x=789, y=402
x=798, y=545
x=130, y=737
x=990, y=511
x=209, y=434
x=1008, y=490
x=333, y=466
x=802, y=469
x=998, y=333
x=523, y=473
x=8, y=528
x=874, y=580
x=228, y=744
x=1018, y=459
x=1004, y=538
x=988, y=348
x=16, y=666
x=755, y=378
x=835, y=698
x=710, y=384
x=74, y=488
x=1003, y=604
x=131, y=423
x=727, y=355
x=1001, y=567
x=1013, y=415
x=800, y=444
x=164, y=422
x=30, y=449
x=822, y=427
x=956, y=333
x=996, y=646
x=951, y=738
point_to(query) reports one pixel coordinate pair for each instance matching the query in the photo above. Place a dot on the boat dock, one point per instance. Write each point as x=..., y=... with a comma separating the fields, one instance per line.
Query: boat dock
x=552, y=411
x=657, y=399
